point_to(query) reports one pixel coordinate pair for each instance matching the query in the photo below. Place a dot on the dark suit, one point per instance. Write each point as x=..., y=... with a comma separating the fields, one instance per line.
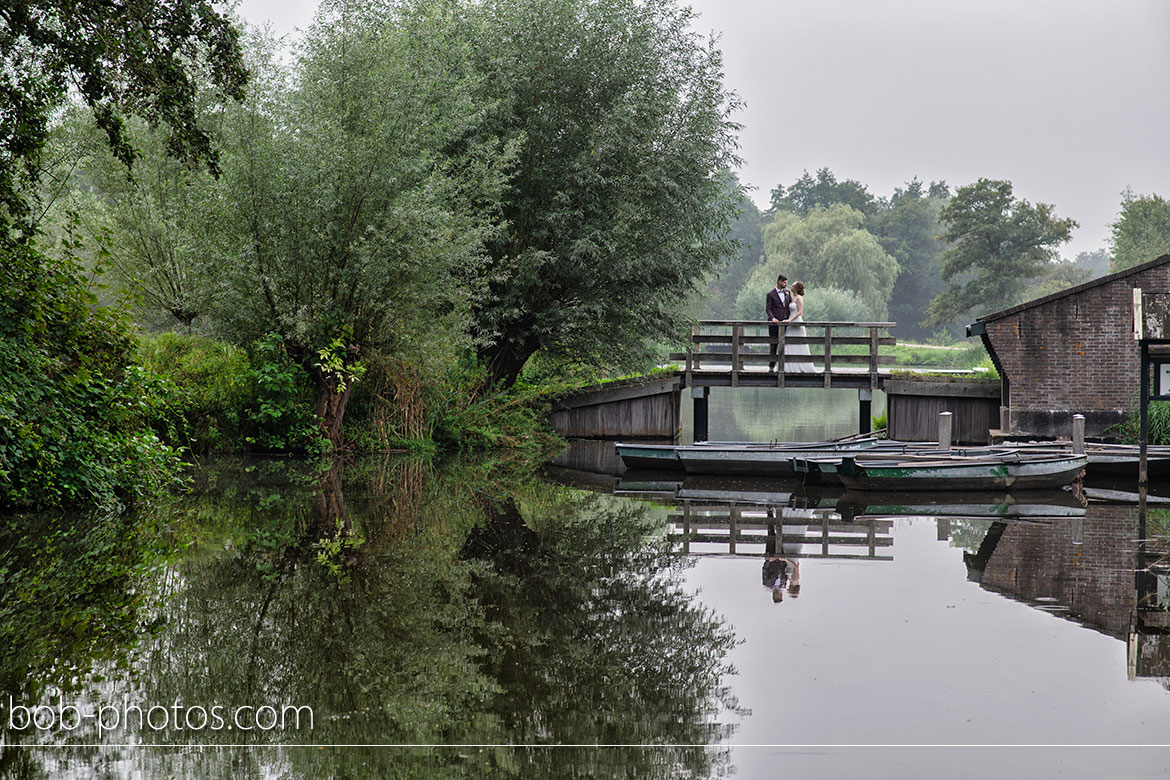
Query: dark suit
x=776, y=306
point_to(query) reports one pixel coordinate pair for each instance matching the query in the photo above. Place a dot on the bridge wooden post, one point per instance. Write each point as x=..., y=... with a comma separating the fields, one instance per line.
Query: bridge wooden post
x=691, y=355
x=780, y=359
x=828, y=356
x=699, y=395
x=873, y=357
x=736, y=357
x=864, y=410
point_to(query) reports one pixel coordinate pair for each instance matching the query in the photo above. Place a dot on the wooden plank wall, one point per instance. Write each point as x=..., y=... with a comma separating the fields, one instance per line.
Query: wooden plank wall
x=912, y=410
x=651, y=410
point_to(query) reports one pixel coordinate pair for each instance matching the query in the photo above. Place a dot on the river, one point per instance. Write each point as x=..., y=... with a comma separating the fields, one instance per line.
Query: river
x=495, y=620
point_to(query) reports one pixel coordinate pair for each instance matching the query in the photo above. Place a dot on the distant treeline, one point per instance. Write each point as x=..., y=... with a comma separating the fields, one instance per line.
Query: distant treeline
x=924, y=257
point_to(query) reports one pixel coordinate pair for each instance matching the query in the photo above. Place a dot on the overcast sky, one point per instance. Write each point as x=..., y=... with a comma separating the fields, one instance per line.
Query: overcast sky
x=1068, y=99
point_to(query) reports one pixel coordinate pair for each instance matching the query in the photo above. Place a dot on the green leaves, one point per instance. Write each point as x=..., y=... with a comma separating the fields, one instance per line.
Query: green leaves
x=997, y=244
x=1141, y=232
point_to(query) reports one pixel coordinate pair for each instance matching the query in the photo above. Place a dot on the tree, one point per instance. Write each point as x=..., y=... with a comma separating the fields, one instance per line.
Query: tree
x=143, y=59
x=996, y=246
x=806, y=193
x=1141, y=232
x=718, y=300
x=907, y=227
x=617, y=204
x=351, y=206
x=828, y=248
x=71, y=423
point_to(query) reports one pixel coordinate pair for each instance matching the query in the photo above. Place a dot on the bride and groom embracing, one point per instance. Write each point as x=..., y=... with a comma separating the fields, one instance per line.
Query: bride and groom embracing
x=782, y=305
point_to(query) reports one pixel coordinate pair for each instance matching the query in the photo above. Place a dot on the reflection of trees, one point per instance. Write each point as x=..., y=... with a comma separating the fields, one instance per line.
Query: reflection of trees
x=73, y=592
x=566, y=629
x=592, y=641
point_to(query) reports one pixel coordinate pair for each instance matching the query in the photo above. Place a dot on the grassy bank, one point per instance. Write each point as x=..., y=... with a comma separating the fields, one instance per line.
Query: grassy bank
x=221, y=399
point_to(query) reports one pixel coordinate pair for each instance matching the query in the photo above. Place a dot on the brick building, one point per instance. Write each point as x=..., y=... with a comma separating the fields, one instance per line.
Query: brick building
x=1072, y=352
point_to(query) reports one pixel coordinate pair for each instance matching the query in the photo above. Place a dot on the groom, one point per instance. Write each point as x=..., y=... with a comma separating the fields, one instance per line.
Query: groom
x=776, y=309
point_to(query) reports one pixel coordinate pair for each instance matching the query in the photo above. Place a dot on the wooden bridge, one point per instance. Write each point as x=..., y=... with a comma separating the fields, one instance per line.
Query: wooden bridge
x=731, y=529
x=736, y=353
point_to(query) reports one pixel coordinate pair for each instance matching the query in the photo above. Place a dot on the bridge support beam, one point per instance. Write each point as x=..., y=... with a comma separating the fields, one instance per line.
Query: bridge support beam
x=864, y=413
x=699, y=394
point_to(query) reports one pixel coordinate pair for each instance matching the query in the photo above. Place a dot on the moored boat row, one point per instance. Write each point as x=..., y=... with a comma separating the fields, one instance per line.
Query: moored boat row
x=868, y=463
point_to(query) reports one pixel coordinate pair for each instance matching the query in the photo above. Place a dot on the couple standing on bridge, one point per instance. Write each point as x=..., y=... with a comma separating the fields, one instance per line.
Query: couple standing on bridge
x=784, y=306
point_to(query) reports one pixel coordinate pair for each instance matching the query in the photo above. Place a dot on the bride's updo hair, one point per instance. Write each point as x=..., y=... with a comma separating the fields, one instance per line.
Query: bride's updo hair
x=798, y=288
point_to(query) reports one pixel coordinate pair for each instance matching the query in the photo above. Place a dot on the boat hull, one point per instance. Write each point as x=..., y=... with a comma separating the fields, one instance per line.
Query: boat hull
x=991, y=474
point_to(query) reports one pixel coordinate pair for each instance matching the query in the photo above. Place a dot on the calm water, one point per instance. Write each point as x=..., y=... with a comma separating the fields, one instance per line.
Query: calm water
x=778, y=414
x=417, y=609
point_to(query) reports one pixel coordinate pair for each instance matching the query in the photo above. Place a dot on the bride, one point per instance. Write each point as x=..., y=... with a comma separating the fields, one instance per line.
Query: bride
x=803, y=363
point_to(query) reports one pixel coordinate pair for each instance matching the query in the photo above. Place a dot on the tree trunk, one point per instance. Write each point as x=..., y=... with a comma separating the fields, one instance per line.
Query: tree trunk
x=504, y=360
x=333, y=395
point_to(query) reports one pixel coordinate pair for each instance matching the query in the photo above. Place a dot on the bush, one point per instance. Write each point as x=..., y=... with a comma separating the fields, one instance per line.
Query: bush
x=224, y=400
x=74, y=406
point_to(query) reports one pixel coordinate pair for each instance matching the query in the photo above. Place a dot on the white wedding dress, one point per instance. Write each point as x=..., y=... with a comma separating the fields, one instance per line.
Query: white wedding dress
x=802, y=363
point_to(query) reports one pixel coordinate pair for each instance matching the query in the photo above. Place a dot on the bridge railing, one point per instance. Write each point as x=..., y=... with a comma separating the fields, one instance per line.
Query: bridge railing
x=742, y=346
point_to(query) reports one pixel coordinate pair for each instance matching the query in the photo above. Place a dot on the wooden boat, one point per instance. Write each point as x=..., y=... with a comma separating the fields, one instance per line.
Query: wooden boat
x=1008, y=470
x=761, y=460
x=649, y=457
x=1109, y=461
x=730, y=458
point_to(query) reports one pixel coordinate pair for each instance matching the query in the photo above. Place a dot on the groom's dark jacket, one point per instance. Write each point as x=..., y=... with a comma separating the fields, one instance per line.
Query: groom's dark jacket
x=776, y=305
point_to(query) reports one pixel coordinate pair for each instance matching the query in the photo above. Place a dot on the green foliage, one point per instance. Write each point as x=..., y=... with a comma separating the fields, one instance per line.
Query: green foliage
x=827, y=249
x=717, y=301
x=1157, y=424
x=355, y=192
x=281, y=416
x=1141, y=232
x=878, y=422
x=807, y=193
x=1058, y=275
x=221, y=399
x=617, y=204
x=996, y=245
x=73, y=404
x=142, y=58
x=908, y=229
x=210, y=388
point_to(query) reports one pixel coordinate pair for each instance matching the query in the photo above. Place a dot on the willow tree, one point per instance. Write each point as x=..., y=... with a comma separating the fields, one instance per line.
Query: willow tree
x=615, y=207
x=352, y=186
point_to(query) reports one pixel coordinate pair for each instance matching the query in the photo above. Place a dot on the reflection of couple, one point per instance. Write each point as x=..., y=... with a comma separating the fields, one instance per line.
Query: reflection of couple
x=784, y=306
x=779, y=572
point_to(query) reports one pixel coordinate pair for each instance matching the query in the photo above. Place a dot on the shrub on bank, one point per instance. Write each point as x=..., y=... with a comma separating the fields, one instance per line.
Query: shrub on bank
x=226, y=399
x=74, y=404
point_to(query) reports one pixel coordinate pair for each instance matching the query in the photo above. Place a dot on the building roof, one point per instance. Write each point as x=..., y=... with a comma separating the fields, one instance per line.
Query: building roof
x=1099, y=281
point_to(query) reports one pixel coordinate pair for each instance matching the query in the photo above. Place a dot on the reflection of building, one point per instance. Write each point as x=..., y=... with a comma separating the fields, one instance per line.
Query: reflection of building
x=1081, y=569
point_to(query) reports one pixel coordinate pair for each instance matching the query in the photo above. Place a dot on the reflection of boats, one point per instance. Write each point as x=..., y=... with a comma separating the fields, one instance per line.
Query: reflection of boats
x=978, y=505
x=981, y=472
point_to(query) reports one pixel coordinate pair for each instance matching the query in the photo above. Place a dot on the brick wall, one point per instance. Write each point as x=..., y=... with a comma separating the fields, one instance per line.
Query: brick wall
x=1073, y=353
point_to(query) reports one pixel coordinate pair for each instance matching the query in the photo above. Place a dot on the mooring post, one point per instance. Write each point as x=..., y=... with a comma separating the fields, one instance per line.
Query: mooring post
x=1078, y=434
x=944, y=430
x=1005, y=419
x=864, y=401
x=699, y=394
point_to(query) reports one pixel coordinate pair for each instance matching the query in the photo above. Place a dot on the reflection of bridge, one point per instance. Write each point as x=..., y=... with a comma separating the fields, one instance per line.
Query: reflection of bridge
x=722, y=529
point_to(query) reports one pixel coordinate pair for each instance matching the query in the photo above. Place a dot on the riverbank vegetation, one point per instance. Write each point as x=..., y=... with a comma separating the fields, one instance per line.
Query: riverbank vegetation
x=364, y=248
x=406, y=227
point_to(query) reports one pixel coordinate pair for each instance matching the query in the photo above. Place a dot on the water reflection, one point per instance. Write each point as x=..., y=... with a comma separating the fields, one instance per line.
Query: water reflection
x=402, y=606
